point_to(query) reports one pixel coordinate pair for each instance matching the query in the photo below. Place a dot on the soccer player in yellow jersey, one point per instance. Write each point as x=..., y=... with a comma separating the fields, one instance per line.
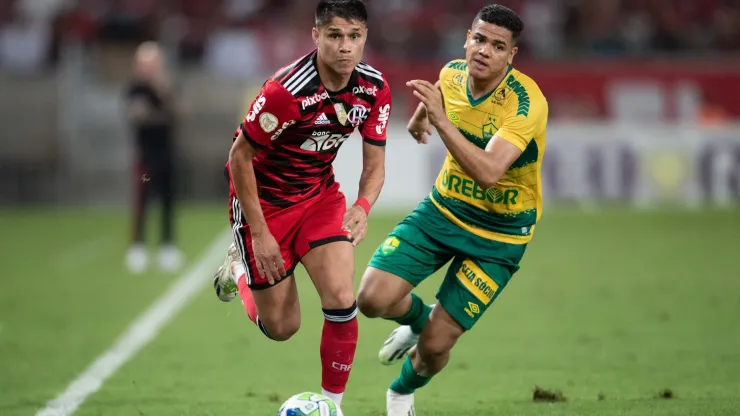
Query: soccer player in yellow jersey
x=480, y=214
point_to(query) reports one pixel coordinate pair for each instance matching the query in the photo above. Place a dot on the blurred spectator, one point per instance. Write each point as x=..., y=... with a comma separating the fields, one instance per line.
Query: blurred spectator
x=399, y=29
x=152, y=114
x=25, y=40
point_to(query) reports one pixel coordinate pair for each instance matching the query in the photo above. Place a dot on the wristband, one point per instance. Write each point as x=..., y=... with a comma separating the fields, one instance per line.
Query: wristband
x=362, y=203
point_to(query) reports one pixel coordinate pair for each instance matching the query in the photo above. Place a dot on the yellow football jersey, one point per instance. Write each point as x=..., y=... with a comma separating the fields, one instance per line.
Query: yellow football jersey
x=515, y=111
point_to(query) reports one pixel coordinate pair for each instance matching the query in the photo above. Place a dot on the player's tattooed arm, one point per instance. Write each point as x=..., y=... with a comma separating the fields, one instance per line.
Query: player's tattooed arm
x=485, y=166
x=266, y=249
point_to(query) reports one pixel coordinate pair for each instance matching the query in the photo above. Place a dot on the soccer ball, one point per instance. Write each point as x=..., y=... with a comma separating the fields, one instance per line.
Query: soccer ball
x=309, y=404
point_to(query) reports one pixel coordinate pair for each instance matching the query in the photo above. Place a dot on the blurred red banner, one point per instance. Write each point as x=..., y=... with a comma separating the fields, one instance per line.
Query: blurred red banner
x=588, y=83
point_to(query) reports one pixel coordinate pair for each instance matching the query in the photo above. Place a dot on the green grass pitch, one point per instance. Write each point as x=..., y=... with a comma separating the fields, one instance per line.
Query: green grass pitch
x=609, y=308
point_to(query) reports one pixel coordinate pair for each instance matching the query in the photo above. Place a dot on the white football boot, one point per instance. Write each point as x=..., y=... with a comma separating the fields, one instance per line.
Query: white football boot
x=137, y=258
x=224, y=281
x=397, y=404
x=397, y=345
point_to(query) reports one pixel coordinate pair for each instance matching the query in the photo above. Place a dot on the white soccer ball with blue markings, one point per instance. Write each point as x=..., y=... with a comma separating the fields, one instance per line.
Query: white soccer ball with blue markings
x=309, y=404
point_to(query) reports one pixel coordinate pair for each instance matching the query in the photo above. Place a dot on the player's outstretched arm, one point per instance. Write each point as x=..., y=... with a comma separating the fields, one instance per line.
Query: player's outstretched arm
x=266, y=249
x=485, y=166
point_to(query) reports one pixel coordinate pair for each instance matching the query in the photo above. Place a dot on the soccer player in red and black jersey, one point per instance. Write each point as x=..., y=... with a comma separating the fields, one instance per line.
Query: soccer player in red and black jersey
x=286, y=206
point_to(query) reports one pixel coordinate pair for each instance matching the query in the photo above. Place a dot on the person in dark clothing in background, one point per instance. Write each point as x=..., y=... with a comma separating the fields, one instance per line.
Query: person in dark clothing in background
x=151, y=114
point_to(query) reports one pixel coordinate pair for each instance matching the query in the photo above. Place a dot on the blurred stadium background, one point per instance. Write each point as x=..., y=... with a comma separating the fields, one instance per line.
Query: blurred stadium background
x=628, y=294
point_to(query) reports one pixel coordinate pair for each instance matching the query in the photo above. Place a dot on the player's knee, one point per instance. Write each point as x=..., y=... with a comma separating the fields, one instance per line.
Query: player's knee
x=338, y=299
x=283, y=329
x=371, y=300
x=284, y=332
x=370, y=303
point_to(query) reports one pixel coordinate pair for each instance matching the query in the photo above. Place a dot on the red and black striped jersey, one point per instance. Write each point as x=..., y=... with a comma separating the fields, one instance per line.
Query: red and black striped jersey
x=299, y=125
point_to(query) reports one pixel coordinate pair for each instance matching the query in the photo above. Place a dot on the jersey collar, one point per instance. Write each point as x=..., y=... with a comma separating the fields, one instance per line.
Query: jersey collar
x=353, y=79
x=474, y=102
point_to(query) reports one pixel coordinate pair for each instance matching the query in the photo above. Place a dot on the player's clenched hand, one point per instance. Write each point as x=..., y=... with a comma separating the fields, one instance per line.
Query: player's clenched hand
x=267, y=257
x=355, y=223
x=431, y=97
x=420, y=130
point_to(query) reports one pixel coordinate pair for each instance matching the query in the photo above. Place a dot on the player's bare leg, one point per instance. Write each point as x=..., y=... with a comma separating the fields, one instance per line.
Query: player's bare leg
x=331, y=267
x=278, y=309
x=427, y=358
x=385, y=295
x=275, y=310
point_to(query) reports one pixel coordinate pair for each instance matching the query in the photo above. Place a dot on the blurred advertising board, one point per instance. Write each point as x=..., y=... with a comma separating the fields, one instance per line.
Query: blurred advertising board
x=584, y=164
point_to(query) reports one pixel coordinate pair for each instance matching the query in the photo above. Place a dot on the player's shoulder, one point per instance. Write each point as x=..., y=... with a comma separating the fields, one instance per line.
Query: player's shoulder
x=294, y=77
x=369, y=74
x=524, y=93
x=453, y=68
x=523, y=85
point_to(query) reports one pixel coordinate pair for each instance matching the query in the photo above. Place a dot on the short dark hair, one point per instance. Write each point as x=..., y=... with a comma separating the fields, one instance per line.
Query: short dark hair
x=346, y=9
x=501, y=16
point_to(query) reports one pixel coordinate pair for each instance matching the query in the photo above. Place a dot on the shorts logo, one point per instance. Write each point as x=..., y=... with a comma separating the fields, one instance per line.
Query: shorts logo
x=268, y=122
x=389, y=246
x=477, y=282
x=472, y=309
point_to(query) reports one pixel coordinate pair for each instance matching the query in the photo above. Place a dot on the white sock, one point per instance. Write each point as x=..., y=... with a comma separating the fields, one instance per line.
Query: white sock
x=335, y=397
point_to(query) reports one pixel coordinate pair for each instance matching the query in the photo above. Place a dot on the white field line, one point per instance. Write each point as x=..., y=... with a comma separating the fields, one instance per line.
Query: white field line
x=142, y=331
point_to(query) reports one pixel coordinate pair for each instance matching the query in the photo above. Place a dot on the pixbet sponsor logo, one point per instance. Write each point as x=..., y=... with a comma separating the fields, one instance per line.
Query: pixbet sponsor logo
x=314, y=99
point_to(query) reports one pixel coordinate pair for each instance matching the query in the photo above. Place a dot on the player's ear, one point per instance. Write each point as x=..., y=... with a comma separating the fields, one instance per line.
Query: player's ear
x=467, y=39
x=514, y=50
x=315, y=35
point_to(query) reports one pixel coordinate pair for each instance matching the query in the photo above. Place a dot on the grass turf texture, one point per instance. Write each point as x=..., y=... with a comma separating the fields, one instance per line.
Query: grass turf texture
x=612, y=313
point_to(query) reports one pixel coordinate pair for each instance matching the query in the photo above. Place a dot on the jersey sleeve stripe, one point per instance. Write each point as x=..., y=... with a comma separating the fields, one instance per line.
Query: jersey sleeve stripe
x=249, y=139
x=370, y=74
x=294, y=79
x=306, y=79
x=368, y=68
x=374, y=142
